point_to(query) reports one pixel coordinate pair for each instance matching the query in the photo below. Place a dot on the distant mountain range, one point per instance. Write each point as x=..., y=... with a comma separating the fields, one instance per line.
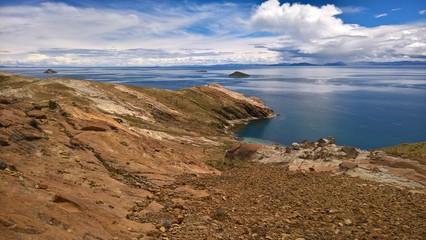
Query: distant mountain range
x=309, y=64
x=301, y=64
x=398, y=63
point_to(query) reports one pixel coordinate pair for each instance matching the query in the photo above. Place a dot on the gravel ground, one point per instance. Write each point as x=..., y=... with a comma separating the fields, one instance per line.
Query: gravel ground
x=264, y=201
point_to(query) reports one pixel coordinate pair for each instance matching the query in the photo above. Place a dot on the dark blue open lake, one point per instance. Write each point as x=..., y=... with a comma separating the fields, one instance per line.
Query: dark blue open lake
x=366, y=107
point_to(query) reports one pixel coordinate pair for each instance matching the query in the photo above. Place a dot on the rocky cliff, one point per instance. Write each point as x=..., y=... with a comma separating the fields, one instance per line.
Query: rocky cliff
x=88, y=160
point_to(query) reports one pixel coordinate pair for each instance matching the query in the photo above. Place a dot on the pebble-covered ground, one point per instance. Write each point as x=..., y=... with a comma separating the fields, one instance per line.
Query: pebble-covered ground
x=264, y=201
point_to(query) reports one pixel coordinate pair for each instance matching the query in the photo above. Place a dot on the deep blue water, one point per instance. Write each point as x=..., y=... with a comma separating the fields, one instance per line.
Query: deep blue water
x=366, y=107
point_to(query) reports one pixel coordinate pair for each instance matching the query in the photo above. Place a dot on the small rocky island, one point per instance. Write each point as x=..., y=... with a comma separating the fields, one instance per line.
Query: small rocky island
x=50, y=71
x=238, y=74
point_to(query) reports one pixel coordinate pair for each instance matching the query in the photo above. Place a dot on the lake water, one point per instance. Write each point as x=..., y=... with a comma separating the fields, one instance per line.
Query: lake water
x=366, y=107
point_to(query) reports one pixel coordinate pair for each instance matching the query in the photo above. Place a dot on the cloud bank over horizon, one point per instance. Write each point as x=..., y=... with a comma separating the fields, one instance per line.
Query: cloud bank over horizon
x=56, y=33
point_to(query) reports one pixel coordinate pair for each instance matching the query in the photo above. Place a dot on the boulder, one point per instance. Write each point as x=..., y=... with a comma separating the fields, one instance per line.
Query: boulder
x=351, y=152
x=238, y=74
x=347, y=165
x=322, y=142
x=3, y=165
x=295, y=146
x=242, y=151
x=307, y=144
x=331, y=140
x=4, y=142
x=50, y=71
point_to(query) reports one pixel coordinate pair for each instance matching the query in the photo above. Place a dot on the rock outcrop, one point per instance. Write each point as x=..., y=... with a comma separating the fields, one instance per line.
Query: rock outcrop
x=325, y=155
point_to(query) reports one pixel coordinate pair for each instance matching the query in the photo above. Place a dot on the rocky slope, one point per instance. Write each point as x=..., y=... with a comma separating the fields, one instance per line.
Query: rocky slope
x=87, y=160
x=81, y=153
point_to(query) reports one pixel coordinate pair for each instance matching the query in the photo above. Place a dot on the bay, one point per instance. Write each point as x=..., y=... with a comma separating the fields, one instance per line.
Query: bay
x=366, y=107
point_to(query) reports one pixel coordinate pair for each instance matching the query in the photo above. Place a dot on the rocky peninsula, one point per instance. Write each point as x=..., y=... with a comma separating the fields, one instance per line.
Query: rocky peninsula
x=89, y=160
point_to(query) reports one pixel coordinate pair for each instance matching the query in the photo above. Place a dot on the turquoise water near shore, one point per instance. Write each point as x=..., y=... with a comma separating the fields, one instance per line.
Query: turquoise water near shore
x=366, y=107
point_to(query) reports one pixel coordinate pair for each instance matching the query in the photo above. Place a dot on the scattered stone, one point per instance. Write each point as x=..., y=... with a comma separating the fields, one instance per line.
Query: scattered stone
x=162, y=229
x=238, y=74
x=41, y=186
x=167, y=223
x=4, y=142
x=53, y=105
x=33, y=123
x=180, y=218
x=348, y=222
x=50, y=71
x=3, y=165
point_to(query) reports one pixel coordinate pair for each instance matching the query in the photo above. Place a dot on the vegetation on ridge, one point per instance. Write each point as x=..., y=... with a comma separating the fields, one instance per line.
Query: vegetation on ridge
x=408, y=150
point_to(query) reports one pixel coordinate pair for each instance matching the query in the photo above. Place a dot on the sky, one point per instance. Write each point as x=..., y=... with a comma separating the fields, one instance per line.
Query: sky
x=172, y=32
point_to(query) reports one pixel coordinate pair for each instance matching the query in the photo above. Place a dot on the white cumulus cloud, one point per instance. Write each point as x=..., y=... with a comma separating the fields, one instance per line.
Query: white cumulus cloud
x=299, y=20
x=315, y=34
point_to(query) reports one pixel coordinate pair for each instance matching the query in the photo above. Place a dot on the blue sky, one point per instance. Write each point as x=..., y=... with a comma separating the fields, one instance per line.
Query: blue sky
x=165, y=32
